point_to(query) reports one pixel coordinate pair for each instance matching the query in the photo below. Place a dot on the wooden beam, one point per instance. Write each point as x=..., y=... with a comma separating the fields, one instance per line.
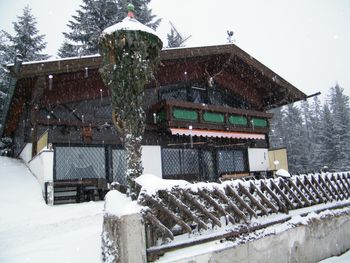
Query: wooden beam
x=282, y=207
x=263, y=197
x=240, y=200
x=217, y=207
x=162, y=207
x=301, y=194
x=295, y=197
x=231, y=205
x=201, y=207
x=253, y=199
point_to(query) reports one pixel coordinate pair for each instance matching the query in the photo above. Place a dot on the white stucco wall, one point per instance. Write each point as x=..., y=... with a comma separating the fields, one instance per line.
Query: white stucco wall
x=26, y=153
x=42, y=167
x=152, y=160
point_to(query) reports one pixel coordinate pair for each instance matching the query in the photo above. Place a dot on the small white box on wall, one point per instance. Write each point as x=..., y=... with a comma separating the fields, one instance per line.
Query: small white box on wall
x=258, y=159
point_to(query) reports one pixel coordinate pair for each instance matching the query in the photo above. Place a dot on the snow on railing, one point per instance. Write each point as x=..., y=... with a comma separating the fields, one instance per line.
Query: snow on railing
x=174, y=209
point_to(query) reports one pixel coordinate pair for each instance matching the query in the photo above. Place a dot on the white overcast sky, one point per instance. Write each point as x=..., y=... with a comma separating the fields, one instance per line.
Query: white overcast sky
x=307, y=42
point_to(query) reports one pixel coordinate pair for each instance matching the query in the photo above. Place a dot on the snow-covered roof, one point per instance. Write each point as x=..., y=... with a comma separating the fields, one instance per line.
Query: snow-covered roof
x=130, y=24
x=55, y=60
x=283, y=94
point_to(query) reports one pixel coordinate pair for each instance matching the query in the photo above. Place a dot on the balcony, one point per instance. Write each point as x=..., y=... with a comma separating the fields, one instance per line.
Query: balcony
x=179, y=114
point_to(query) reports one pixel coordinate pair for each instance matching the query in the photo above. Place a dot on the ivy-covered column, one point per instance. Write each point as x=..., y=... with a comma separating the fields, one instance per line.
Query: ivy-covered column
x=130, y=52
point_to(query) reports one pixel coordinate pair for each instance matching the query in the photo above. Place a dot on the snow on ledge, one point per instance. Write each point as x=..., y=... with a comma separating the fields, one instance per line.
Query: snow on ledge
x=153, y=183
x=283, y=173
x=118, y=204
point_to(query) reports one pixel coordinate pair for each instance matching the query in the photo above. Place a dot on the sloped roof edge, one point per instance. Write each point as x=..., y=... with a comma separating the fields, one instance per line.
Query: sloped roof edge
x=66, y=65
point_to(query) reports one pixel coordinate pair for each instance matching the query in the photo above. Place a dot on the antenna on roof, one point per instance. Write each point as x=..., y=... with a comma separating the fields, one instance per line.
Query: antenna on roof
x=230, y=34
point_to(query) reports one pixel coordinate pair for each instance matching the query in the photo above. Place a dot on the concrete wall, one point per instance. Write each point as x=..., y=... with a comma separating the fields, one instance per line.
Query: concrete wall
x=123, y=239
x=152, y=160
x=318, y=240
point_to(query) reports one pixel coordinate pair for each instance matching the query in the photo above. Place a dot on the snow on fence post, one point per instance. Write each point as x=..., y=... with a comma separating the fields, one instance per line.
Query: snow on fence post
x=123, y=233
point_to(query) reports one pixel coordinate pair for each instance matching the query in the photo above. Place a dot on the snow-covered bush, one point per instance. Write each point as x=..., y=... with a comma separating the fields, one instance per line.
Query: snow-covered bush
x=6, y=146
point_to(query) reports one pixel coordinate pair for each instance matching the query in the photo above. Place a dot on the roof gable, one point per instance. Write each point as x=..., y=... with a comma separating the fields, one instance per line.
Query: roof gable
x=227, y=65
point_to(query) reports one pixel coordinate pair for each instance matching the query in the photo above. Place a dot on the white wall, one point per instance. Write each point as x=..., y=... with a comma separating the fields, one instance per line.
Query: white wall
x=42, y=167
x=152, y=160
x=26, y=153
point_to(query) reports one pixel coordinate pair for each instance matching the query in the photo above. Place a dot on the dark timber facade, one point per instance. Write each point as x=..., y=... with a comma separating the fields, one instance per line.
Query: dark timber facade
x=205, y=107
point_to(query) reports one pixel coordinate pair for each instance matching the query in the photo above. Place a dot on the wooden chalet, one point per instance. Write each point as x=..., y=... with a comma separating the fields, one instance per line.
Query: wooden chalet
x=206, y=107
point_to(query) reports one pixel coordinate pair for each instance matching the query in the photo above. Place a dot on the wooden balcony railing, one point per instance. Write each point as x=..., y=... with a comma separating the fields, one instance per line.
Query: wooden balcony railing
x=210, y=117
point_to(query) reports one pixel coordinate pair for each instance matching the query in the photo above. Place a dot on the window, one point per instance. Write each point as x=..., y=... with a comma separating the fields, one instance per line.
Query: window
x=230, y=161
x=180, y=162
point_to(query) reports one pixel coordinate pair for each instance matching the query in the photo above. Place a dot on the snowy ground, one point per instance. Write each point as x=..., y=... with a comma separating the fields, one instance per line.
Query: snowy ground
x=31, y=231
x=345, y=258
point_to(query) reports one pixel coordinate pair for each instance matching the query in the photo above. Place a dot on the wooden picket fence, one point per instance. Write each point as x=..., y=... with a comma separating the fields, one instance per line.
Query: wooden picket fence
x=202, y=207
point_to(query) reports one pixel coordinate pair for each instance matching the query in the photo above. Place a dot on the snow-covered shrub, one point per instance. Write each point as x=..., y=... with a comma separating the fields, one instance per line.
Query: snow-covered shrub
x=6, y=146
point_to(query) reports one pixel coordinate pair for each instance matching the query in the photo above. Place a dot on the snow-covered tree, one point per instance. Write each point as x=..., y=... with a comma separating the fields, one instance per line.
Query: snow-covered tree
x=315, y=133
x=294, y=139
x=6, y=146
x=339, y=104
x=96, y=15
x=26, y=40
x=328, y=142
x=7, y=54
x=276, y=135
x=67, y=50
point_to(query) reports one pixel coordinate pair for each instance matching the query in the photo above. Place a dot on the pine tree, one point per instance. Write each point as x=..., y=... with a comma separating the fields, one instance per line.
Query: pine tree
x=327, y=136
x=315, y=128
x=307, y=137
x=96, y=15
x=276, y=135
x=7, y=53
x=26, y=41
x=294, y=139
x=67, y=50
x=341, y=115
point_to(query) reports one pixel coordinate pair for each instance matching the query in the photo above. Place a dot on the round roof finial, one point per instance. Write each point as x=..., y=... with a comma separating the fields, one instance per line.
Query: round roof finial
x=131, y=10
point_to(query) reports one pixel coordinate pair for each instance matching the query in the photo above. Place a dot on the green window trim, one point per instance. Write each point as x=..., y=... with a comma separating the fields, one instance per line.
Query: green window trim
x=184, y=114
x=238, y=120
x=214, y=117
x=258, y=122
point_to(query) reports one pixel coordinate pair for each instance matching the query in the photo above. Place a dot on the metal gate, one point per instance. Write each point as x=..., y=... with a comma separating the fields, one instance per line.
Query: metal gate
x=89, y=162
x=206, y=164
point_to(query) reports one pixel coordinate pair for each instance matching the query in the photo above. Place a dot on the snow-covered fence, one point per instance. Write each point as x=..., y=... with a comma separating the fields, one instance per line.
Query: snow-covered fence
x=180, y=209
